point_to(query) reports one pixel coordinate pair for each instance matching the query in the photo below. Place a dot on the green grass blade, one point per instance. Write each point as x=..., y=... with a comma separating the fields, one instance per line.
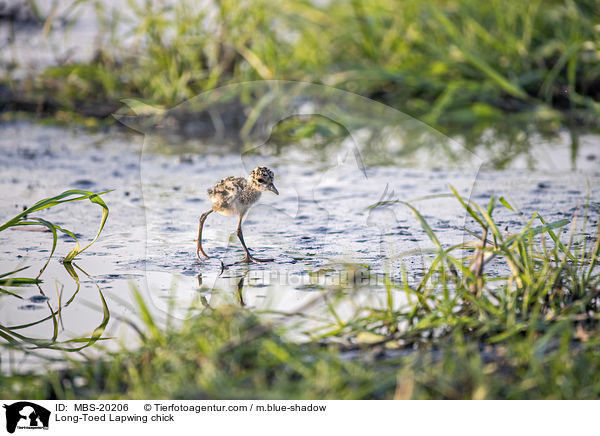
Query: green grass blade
x=555, y=238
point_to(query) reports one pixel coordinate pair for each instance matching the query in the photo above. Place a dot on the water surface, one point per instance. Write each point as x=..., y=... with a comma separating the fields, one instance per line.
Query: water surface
x=317, y=229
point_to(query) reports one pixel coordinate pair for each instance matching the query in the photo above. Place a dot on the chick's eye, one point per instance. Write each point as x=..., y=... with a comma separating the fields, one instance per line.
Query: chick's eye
x=261, y=180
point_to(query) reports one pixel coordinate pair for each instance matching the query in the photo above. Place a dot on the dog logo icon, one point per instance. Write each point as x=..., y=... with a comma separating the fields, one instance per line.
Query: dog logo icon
x=26, y=415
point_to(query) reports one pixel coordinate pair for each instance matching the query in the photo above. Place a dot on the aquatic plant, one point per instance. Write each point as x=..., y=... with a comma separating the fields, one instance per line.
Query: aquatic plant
x=12, y=338
x=24, y=219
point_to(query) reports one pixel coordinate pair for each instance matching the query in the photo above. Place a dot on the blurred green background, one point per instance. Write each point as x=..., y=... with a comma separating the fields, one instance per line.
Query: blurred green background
x=460, y=66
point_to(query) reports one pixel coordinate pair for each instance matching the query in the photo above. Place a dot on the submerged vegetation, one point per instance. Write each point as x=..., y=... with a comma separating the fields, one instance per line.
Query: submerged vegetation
x=457, y=65
x=461, y=333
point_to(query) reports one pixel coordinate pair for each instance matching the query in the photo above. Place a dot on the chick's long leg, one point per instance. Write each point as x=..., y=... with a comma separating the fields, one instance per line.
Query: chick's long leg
x=249, y=257
x=199, y=249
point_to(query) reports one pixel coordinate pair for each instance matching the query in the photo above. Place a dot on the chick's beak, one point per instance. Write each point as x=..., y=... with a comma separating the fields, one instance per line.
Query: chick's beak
x=272, y=188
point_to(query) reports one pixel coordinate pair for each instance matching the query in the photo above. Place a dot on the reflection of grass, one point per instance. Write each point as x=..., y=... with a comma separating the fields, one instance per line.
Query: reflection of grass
x=22, y=342
x=447, y=62
x=23, y=219
x=460, y=333
x=10, y=334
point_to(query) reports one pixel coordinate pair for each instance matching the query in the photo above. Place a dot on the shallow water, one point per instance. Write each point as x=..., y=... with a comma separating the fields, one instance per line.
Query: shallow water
x=320, y=222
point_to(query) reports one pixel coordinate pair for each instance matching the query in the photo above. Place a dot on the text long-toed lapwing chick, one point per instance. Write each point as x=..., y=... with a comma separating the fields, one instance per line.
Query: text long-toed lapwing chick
x=234, y=196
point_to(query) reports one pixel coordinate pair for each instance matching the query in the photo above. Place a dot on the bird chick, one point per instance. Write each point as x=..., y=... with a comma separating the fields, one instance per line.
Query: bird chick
x=234, y=196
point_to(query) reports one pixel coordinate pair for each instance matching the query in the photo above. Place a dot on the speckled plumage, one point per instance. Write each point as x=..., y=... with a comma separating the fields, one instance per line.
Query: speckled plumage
x=234, y=196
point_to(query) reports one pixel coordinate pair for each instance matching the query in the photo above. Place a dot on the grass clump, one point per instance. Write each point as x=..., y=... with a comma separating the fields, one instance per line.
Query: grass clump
x=227, y=353
x=230, y=353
